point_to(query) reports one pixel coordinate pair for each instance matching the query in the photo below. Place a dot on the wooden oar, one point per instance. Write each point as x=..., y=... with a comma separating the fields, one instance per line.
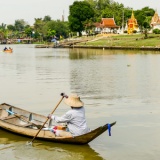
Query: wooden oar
x=24, y=119
x=63, y=95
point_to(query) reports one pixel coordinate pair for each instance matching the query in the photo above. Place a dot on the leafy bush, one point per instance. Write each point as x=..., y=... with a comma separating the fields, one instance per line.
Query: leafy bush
x=156, y=31
x=134, y=31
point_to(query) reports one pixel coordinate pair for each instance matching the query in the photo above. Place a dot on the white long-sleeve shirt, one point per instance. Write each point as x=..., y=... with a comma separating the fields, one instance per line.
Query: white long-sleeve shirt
x=75, y=119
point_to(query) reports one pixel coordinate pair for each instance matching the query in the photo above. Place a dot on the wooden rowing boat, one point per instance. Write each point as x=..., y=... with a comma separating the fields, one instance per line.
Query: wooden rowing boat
x=8, y=51
x=26, y=123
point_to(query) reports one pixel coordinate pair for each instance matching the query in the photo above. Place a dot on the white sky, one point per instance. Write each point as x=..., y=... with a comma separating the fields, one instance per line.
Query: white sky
x=12, y=10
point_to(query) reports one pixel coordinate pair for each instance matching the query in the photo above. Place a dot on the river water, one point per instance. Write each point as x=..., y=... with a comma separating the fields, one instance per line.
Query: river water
x=115, y=85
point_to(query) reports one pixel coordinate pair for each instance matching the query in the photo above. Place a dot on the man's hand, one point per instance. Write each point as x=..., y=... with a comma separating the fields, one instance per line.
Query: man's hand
x=49, y=116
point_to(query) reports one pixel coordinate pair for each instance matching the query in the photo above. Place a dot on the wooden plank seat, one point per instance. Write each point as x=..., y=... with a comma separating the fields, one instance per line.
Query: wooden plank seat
x=26, y=125
x=9, y=117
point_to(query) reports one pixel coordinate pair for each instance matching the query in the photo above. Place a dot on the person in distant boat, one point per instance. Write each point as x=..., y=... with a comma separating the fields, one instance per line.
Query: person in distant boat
x=5, y=49
x=74, y=118
x=10, y=48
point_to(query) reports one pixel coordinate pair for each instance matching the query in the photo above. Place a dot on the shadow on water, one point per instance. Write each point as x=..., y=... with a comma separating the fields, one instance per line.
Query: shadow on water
x=14, y=147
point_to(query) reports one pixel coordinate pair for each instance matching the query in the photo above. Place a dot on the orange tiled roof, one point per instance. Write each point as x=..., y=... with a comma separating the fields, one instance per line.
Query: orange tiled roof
x=109, y=22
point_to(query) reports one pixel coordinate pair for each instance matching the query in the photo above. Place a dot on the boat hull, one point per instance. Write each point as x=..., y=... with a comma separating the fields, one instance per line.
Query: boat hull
x=8, y=51
x=18, y=126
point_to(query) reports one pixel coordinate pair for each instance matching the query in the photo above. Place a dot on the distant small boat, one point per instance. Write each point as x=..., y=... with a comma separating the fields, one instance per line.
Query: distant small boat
x=8, y=50
x=25, y=123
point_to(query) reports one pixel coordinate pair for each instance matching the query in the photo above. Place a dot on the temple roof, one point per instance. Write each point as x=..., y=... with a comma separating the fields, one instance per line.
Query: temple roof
x=155, y=19
x=109, y=23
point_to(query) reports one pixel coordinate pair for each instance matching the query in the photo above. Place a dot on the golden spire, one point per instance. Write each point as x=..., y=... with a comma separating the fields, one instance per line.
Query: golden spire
x=132, y=16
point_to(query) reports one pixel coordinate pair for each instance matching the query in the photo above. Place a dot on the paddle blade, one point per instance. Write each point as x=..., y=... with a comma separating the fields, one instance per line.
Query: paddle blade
x=29, y=143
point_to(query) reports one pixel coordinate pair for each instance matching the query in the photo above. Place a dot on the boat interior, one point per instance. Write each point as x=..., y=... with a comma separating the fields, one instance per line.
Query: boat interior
x=20, y=117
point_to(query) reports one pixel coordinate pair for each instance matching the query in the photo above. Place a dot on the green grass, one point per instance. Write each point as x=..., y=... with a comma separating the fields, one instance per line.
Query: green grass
x=136, y=40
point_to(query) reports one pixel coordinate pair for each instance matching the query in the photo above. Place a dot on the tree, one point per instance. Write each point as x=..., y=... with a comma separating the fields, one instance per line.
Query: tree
x=47, y=18
x=3, y=26
x=20, y=24
x=60, y=27
x=38, y=24
x=144, y=16
x=11, y=27
x=39, y=28
x=2, y=36
x=80, y=12
x=51, y=33
x=28, y=31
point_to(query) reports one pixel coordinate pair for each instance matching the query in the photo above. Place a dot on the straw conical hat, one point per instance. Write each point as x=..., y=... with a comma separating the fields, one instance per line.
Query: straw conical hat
x=74, y=101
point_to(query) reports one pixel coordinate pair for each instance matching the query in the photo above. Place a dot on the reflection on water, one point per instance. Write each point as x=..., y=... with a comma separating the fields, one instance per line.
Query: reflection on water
x=14, y=147
x=115, y=85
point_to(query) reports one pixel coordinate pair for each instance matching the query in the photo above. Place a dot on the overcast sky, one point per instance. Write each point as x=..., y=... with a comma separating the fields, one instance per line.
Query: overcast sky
x=12, y=10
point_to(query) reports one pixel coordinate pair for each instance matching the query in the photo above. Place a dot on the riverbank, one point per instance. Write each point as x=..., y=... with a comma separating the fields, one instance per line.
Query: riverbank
x=108, y=41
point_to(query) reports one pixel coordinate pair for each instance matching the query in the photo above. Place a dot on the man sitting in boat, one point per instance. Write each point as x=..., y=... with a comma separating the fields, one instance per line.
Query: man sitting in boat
x=5, y=49
x=75, y=118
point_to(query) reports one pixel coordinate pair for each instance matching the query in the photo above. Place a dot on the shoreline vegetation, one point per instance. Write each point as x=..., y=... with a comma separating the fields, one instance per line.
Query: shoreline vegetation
x=110, y=41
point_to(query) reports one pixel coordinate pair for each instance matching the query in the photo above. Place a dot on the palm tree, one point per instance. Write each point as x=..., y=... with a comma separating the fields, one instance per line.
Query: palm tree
x=1, y=35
